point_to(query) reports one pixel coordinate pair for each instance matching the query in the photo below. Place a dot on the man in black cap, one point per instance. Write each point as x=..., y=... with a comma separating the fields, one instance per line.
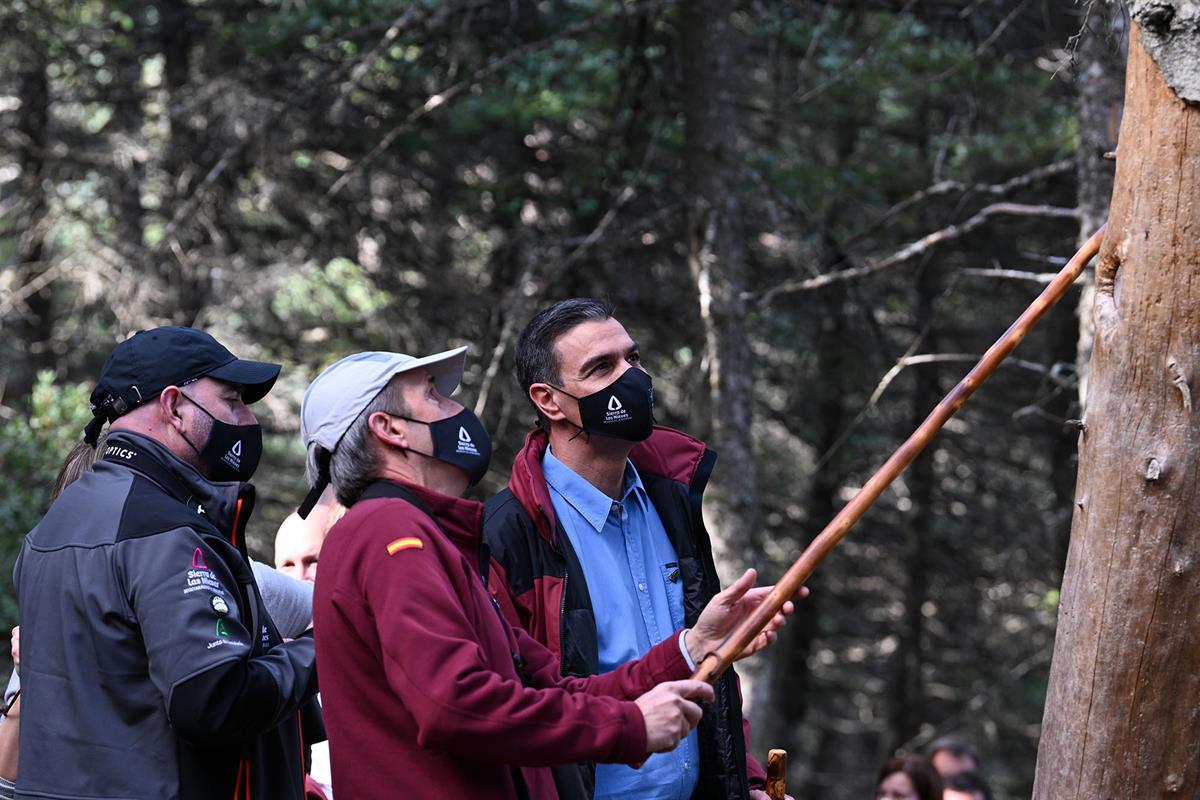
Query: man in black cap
x=150, y=668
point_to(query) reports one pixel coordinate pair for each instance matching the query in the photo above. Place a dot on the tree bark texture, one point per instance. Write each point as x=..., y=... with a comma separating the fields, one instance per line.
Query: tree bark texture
x=1100, y=65
x=1123, y=709
x=717, y=260
x=718, y=263
x=34, y=318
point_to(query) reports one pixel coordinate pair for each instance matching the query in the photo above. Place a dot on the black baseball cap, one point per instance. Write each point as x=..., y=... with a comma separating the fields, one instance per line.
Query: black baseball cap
x=139, y=368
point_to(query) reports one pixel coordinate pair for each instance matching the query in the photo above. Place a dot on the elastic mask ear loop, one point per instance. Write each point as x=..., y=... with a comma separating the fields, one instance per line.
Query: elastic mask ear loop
x=587, y=435
x=184, y=435
x=404, y=450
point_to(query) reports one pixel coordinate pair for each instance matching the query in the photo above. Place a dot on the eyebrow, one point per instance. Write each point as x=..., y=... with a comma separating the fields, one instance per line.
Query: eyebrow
x=603, y=357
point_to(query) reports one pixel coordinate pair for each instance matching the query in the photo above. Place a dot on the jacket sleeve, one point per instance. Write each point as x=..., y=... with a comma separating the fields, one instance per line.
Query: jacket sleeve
x=241, y=700
x=435, y=663
x=288, y=601
x=185, y=601
x=663, y=662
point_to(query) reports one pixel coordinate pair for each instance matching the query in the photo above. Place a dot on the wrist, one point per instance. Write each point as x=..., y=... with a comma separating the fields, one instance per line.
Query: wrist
x=697, y=647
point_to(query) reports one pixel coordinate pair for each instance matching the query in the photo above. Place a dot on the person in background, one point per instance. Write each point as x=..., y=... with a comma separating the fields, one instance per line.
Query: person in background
x=297, y=552
x=966, y=786
x=10, y=722
x=142, y=628
x=600, y=545
x=951, y=755
x=908, y=777
x=299, y=539
x=429, y=692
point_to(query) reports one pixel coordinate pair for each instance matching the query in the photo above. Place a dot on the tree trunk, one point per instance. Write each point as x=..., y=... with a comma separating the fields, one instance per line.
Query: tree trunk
x=34, y=321
x=1100, y=63
x=1123, y=709
x=717, y=260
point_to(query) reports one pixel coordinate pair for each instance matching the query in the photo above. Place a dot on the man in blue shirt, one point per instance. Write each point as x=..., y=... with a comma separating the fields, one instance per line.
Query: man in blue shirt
x=629, y=562
x=598, y=545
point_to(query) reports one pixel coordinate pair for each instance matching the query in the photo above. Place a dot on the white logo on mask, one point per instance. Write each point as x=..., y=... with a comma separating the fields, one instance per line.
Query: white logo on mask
x=234, y=457
x=465, y=445
x=614, y=404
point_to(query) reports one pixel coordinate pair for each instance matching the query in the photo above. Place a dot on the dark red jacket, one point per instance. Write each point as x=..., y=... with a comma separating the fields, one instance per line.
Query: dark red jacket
x=539, y=583
x=419, y=679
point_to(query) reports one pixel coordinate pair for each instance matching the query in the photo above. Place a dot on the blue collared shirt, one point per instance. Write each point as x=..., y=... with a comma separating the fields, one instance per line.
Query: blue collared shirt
x=632, y=574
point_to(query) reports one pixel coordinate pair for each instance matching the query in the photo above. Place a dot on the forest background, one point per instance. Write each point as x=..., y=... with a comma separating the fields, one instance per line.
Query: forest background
x=813, y=217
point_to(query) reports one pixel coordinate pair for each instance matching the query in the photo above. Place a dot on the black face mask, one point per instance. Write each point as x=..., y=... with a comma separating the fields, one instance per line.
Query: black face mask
x=461, y=440
x=624, y=409
x=232, y=452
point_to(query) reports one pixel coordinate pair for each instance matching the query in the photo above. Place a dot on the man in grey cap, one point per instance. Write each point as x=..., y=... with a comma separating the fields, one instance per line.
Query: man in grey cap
x=426, y=686
x=150, y=668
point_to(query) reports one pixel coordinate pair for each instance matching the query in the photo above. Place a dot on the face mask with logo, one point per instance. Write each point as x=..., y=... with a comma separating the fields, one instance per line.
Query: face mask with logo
x=461, y=440
x=624, y=409
x=232, y=452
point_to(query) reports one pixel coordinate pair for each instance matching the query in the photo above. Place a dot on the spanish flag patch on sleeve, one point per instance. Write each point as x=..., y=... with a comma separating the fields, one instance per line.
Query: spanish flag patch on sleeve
x=407, y=543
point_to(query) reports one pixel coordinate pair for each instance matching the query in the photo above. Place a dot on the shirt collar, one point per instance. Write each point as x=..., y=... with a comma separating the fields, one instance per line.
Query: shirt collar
x=588, y=501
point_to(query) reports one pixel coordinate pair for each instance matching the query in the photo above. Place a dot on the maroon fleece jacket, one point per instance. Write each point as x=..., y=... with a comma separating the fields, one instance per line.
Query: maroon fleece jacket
x=420, y=693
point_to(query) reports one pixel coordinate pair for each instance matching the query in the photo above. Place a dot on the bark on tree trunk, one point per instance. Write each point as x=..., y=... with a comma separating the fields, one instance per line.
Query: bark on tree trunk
x=1122, y=715
x=1100, y=66
x=718, y=264
x=34, y=320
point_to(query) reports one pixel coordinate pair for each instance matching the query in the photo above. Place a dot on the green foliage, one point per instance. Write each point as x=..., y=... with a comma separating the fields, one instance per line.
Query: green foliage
x=191, y=157
x=339, y=293
x=32, y=450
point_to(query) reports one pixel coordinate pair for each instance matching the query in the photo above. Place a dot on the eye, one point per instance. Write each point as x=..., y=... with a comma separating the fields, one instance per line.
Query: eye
x=634, y=358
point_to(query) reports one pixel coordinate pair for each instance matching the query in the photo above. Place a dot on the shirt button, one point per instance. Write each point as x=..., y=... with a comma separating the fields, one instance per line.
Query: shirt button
x=641, y=587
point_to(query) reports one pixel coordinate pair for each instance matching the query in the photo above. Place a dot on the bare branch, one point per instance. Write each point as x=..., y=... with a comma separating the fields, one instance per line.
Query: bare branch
x=18, y=296
x=941, y=188
x=919, y=247
x=986, y=43
x=1053, y=373
x=1011, y=274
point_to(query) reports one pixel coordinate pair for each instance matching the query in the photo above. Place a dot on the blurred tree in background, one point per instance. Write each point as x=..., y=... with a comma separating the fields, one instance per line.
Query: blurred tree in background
x=885, y=183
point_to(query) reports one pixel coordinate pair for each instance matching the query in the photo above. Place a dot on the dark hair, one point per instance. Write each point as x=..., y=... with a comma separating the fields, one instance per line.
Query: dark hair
x=953, y=744
x=537, y=357
x=922, y=774
x=968, y=782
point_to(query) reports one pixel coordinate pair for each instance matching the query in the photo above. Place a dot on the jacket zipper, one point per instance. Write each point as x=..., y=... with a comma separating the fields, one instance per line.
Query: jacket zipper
x=562, y=613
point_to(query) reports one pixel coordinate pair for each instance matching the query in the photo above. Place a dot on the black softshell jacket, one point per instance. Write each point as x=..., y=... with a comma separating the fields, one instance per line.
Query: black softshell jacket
x=150, y=669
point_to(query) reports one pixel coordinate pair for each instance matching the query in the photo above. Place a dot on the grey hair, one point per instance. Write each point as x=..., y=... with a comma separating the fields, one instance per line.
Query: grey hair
x=356, y=461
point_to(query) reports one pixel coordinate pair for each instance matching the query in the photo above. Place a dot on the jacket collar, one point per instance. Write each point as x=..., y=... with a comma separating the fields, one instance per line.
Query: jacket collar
x=668, y=453
x=460, y=519
x=227, y=505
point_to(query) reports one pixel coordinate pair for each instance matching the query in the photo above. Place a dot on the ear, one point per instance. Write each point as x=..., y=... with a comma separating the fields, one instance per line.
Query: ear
x=388, y=430
x=547, y=401
x=168, y=401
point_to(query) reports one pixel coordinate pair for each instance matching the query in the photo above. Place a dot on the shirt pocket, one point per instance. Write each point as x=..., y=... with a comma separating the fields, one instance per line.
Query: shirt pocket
x=673, y=584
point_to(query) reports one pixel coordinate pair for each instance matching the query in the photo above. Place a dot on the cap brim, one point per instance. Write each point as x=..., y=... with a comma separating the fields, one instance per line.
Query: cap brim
x=446, y=368
x=256, y=377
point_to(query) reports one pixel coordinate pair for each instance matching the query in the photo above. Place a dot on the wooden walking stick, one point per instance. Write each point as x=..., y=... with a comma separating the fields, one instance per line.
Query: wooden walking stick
x=777, y=774
x=714, y=664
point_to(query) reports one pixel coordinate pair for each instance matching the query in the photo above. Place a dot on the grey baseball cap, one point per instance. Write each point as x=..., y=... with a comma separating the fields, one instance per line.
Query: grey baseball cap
x=340, y=394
